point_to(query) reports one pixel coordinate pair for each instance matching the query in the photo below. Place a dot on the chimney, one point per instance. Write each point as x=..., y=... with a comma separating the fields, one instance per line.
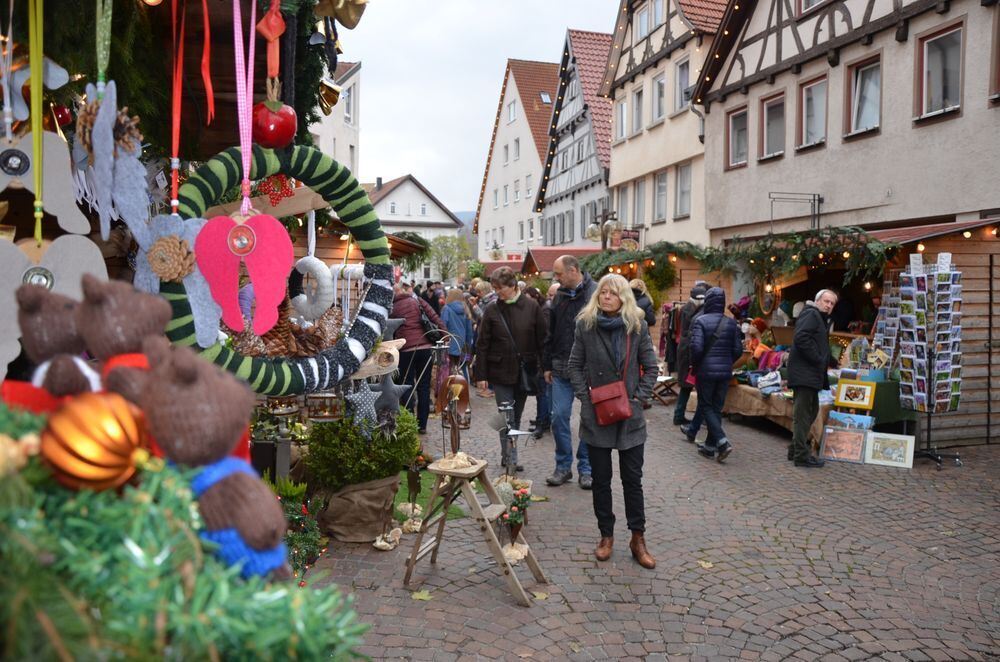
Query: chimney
x=378, y=183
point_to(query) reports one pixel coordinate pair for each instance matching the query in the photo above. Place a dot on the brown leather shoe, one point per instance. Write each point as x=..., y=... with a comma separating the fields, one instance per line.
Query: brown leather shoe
x=639, y=551
x=603, y=551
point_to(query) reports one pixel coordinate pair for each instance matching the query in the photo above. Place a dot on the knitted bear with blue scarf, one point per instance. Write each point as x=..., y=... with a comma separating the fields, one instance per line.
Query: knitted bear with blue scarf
x=197, y=412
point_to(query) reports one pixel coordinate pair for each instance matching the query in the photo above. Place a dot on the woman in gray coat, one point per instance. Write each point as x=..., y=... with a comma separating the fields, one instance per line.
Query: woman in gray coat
x=608, y=325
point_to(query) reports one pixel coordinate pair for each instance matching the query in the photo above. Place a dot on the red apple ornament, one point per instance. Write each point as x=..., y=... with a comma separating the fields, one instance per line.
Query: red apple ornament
x=274, y=124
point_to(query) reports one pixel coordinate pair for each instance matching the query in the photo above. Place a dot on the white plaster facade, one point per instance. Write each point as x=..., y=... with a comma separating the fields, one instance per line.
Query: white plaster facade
x=657, y=157
x=514, y=165
x=339, y=133
x=892, y=155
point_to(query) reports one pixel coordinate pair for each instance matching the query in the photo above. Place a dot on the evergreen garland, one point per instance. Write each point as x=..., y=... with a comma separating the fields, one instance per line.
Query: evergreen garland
x=413, y=262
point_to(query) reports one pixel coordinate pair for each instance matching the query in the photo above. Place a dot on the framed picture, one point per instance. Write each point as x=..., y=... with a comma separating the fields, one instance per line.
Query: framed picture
x=843, y=444
x=839, y=419
x=854, y=394
x=891, y=450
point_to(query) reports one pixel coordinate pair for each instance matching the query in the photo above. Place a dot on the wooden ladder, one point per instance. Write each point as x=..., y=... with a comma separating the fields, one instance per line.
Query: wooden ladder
x=448, y=485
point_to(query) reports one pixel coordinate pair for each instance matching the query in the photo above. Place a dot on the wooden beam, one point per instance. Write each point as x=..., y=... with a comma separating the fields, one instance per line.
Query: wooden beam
x=302, y=201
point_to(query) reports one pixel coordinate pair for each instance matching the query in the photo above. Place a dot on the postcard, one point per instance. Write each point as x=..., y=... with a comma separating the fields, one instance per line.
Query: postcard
x=921, y=283
x=906, y=402
x=892, y=450
x=954, y=402
x=906, y=376
x=905, y=281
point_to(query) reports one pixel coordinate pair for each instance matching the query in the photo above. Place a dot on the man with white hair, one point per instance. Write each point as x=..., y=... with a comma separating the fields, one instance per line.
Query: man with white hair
x=807, y=366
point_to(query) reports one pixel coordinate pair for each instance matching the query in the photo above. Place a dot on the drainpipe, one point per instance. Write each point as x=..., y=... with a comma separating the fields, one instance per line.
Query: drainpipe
x=701, y=123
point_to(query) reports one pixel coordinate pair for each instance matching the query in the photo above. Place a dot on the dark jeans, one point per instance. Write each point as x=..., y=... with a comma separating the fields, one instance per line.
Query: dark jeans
x=680, y=410
x=630, y=464
x=510, y=393
x=805, y=408
x=711, y=399
x=543, y=415
x=415, y=365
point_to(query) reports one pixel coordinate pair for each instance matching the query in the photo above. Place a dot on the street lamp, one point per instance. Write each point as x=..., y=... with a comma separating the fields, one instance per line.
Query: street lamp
x=601, y=228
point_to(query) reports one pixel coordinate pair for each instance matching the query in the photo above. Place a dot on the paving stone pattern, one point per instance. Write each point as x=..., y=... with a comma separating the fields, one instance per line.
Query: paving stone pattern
x=756, y=559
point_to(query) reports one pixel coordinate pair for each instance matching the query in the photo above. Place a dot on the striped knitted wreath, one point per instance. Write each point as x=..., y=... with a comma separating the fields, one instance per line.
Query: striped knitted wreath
x=336, y=184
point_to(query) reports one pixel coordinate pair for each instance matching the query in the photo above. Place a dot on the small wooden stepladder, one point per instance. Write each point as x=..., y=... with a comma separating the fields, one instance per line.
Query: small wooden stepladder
x=448, y=484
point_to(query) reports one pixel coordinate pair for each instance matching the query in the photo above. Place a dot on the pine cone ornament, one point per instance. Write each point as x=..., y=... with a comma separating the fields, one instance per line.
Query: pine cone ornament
x=171, y=258
x=126, y=132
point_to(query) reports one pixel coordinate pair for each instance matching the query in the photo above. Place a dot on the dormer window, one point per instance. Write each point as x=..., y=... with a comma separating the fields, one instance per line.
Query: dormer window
x=545, y=97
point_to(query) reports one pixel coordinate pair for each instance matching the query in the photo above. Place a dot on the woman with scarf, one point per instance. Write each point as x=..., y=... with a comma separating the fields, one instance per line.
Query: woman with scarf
x=457, y=320
x=612, y=342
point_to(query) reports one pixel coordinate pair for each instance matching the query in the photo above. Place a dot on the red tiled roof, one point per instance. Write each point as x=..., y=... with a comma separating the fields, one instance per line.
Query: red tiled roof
x=591, y=51
x=704, y=15
x=376, y=194
x=921, y=232
x=344, y=68
x=490, y=267
x=532, y=79
x=543, y=259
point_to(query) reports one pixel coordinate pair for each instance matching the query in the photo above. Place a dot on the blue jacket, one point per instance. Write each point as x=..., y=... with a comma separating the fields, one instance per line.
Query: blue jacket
x=718, y=362
x=459, y=326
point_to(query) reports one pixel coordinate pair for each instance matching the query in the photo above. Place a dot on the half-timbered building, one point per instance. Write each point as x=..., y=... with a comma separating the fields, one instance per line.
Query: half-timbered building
x=657, y=157
x=870, y=112
x=574, y=186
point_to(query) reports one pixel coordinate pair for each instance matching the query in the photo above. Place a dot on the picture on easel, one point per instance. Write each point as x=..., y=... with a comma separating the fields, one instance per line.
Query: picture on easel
x=853, y=394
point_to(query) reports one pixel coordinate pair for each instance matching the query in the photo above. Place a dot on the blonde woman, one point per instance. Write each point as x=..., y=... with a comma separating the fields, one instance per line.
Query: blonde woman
x=612, y=339
x=643, y=300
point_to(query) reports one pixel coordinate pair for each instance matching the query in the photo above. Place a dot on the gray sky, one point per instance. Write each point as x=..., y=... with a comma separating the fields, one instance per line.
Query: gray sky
x=431, y=75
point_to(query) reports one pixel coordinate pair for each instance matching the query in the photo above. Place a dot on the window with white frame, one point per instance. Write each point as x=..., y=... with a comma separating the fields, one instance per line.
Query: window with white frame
x=623, y=205
x=866, y=97
x=427, y=271
x=517, y=148
x=565, y=159
x=773, y=126
x=621, y=112
x=347, y=101
x=682, y=197
x=641, y=23
x=658, y=16
x=392, y=207
x=809, y=4
x=520, y=231
x=682, y=80
x=637, y=110
x=579, y=149
x=659, y=94
x=736, y=143
x=423, y=208
x=502, y=242
x=941, y=74
x=639, y=202
x=517, y=190
x=660, y=197
x=506, y=154
x=585, y=217
x=813, y=120
x=531, y=229
x=546, y=99
x=568, y=227
x=527, y=186
x=506, y=195
x=511, y=111
x=496, y=198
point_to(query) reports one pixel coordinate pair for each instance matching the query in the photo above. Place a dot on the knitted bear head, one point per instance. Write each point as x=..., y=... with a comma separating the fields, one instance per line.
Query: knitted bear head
x=115, y=318
x=196, y=411
x=48, y=323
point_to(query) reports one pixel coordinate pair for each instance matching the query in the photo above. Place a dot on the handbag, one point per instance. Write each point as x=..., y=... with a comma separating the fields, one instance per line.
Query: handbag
x=525, y=381
x=431, y=332
x=691, y=379
x=610, y=401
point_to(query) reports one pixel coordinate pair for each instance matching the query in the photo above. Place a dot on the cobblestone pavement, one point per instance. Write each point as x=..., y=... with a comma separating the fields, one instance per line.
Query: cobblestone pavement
x=756, y=560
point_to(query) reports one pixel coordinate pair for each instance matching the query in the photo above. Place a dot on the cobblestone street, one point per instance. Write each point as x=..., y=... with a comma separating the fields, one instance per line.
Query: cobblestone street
x=756, y=560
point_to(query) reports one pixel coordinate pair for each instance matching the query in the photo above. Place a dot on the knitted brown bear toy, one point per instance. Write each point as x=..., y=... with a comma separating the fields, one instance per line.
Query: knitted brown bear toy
x=50, y=339
x=114, y=319
x=197, y=412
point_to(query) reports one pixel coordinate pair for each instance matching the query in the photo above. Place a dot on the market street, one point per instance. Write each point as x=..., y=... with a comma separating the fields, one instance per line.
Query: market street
x=756, y=560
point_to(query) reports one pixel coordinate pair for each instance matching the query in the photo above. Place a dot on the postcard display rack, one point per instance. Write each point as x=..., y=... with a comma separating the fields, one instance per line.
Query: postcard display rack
x=920, y=328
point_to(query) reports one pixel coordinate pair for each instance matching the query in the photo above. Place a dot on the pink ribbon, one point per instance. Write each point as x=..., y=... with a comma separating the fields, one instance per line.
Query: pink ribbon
x=244, y=94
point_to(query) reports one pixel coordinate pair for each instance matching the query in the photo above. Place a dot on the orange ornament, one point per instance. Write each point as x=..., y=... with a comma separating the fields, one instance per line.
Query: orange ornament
x=96, y=441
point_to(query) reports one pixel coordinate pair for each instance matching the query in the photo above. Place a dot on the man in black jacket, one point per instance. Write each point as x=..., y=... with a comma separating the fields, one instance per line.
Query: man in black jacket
x=688, y=313
x=807, y=365
x=575, y=291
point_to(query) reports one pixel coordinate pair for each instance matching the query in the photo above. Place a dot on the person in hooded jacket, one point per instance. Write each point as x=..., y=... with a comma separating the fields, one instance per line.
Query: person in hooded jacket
x=642, y=299
x=716, y=343
x=455, y=316
x=807, y=364
x=688, y=312
x=415, y=356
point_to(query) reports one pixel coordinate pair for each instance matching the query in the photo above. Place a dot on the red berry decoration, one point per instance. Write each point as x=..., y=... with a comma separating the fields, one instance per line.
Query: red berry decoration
x=274, y=124
x=62, y=114
x=302, y=584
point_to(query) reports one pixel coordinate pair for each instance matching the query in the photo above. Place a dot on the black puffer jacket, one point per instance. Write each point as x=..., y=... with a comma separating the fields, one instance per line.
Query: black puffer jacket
x=717, y=362
x=810, y=355
x=644, y=302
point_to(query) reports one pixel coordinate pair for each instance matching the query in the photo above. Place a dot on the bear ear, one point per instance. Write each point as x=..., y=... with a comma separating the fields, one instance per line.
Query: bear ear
x=93, y=289
x=157, y=350
x=185, y=366
x=31, y=297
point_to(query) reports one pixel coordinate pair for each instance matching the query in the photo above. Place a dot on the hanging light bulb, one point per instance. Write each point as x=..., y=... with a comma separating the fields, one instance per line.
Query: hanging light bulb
x=868, y=286
x=768, y=287
x=967, y=234
x=673, y=258
x=820, y=256
x=152, y=3
x=652, y=263
x=921, y=248
x=993, y=232
x=847, y=254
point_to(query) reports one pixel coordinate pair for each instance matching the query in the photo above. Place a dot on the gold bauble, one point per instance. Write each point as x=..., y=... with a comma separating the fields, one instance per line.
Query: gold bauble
x=95, y=441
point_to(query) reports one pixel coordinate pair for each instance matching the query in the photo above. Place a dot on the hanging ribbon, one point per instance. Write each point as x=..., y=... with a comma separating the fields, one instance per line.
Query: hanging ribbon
x=311, y=233
x=6, y=63
x=177, y=90
x=35, y=54
x=104, y=12
x=206, y=63
x=244, y=94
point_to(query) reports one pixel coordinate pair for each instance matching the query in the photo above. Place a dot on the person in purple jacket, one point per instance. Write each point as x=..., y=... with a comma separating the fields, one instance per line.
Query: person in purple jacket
x=416, y=355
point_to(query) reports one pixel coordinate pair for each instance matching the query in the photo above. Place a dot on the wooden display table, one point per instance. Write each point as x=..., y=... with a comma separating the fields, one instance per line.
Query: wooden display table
x=747, y=401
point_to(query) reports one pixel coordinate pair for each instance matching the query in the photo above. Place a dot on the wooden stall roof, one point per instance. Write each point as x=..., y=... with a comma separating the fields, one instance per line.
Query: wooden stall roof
x=541, y=259
x=908, y=235
x=493, y=266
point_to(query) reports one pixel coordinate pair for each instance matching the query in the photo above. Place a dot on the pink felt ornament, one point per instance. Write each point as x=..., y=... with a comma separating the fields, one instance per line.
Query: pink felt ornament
x=263, y=244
